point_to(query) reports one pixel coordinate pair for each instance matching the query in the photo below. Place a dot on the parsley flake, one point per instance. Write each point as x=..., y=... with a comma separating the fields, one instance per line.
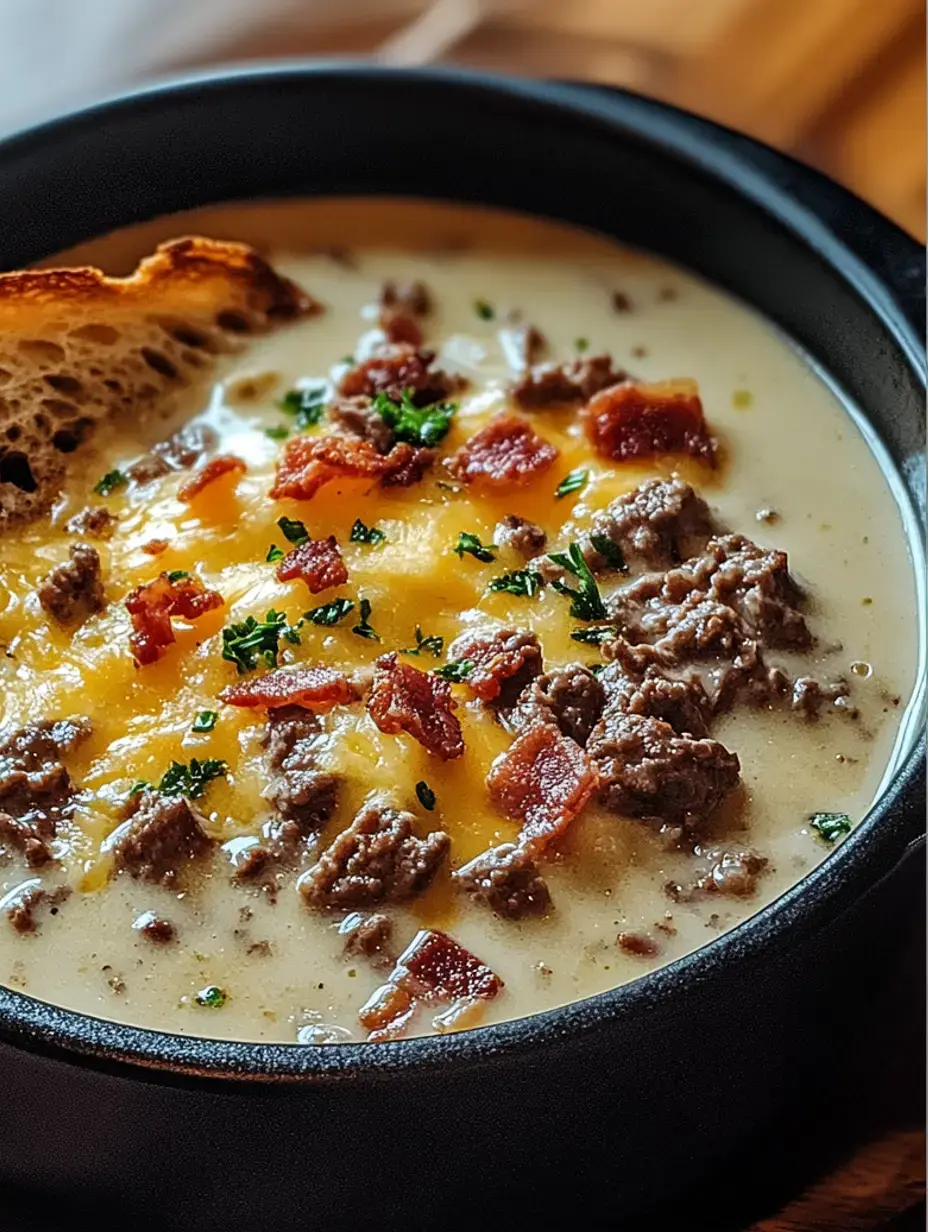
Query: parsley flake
x=831, y=826
x=611, y=552
x=293, y=531
x=330, y=613
x=277, y=432
x=363, y=628
x=176, y=574
x=205, y=721
x=110, y=482
x=275, y=553
x=484, y=311
x=425, y=795
x=456, y=671
x=191, y=780
x=574, y=482
x=431, y=645
x=467, y=542
x=212, y=997
x=581, y=345
x=417, y=426
x=306, y=405
x=366, y=534
x=245, y=642
x=596, y=635
x=524, y=582
x=586, y=601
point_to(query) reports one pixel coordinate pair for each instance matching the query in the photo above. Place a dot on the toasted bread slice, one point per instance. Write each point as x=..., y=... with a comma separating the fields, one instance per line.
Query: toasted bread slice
x=77, y=347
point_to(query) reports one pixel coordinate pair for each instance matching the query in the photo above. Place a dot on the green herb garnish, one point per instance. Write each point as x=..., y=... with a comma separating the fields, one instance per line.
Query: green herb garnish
x=431, y=645
x=277, y=432
x=456, y=671
x=596, y=635
x=573, y=482
x=831, y=826
x=275, y=553
x=212, y=997
x=417, y=426
x=587, y=603
x=191, y=780
x=306, y=405
x=244, y=643
x=110, y=482
x=366, y=534
x=425, y=795
x=484, y=310
x=522, y=582
x=293, y=531
x=610, y=551
x=581, y=345
x=363, y=628
x=205, y=721
x=137, y=788
x=176, y=574
x=330, y=613
x=471, y=543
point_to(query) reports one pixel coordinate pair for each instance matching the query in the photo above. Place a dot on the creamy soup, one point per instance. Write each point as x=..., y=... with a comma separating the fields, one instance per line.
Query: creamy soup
x=635, y=806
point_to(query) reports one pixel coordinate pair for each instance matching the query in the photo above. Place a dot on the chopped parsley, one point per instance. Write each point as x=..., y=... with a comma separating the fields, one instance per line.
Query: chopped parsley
x=831, y=826
x=581, y=345
x=596, y=635
x=574, y=482
x=471, y=543
x=366, y=534
x=212, y=997
x=275, y=553
x=484, y=311
x=306, y=405
x=205, y=721
x=277, y=432
x=587, y=603
x=191, y=780
x=293, y=531
x=425, y=795
x=610, y=551
x=110, y=482
x=417, y=426
x=431, y=645
x=176, y=574
x=244, y=643
x=363, y=628
x=522, y=582
x=456, y=671
x=330, y=613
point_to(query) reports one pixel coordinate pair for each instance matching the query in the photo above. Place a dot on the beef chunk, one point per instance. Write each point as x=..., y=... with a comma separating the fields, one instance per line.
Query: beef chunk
x=180, y=452
x=566, y=384
x=21, y=909
x=36, y=790
x=809, y=696
x=154, y=928
x=74, y=590
x=646, y=770
x=731, y=872
x=398, y=368
x=757, y=583
x=682, y=703
x=504, y=660
x=658, y=523
x=506, y=879
x=303, y=795
x=94, y=521
x=164, y=833
x=377, y=859
x=521, y=535
x=357, y=417
x=368, y=936
x=571, y=698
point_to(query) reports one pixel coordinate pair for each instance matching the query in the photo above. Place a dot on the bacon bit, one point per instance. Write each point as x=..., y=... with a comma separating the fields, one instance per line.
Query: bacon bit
x=403, y=367
x=225, y=464
x=405, y=465
x=433, y=967
x=403, y=699
x=401, y=326
x=151, y=607
x=638, y=420
x=317, y=562
x=502, y=658
x=155, y=547
x=307, y=464
x=543, y=779
x=507, y=451
x=313, y=688
x=638, y=944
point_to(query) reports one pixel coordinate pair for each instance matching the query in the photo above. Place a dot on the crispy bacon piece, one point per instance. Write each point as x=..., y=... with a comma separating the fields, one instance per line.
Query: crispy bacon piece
x=318, y=563
x=638, y=420
x=504, y=660
x=225, y=464
x=506, y=451
x=151, y=607
x=154, y=547
x=307, y=463
x=543, y=779
x=403, y=699
x=433, y=967
x=313, y=688
x=399, y=368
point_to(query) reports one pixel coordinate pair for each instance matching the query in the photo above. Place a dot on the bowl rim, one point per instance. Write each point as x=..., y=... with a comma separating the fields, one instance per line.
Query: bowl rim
x=815, y=902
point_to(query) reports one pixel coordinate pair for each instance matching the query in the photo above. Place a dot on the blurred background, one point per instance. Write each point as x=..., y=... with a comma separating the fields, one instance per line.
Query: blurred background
x=839, y=83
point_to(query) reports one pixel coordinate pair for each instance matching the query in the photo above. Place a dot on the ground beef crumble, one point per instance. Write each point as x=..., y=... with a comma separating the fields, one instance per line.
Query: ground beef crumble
x=72, y=591
x=357, y=417
x=377, y=859
x=36, y=790
x=180, y=452
x=571, y=698
x=505, y=879
x=368, y=936
x=566, y=384
x=521, y=535
x=94, y=521
x=302, y=794
x=731, y=872
x=164, y=834
x=21, y=912
x=659, y=522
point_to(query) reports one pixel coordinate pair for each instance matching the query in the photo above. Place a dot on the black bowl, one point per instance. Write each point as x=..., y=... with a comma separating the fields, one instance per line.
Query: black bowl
x=633, y=1092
